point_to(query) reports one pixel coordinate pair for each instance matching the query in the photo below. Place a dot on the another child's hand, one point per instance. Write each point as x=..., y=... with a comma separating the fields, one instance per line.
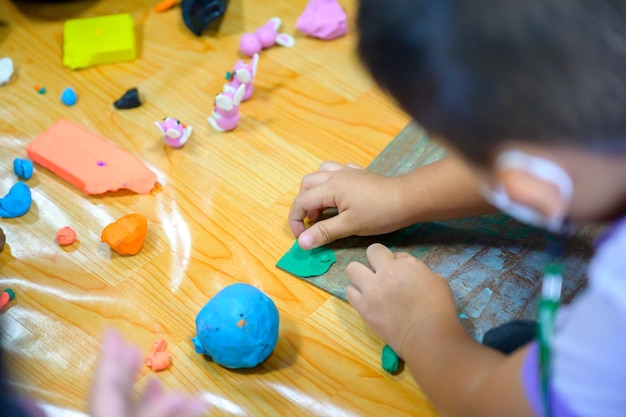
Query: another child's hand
x=397, y=295
x=367, y=204
x=112, y=390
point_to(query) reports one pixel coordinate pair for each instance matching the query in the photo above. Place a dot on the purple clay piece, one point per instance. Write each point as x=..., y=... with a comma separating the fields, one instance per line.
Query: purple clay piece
x=323, y=19
x=17, y=202
x=238, y=327
x=242, y=73
x=174, y=131
x=264, y=37
x=23, y=168
x=225, y=115
x=129, y=100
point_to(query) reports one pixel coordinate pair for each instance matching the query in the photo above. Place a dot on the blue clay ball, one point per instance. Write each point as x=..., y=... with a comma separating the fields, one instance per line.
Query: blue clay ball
x=69, y=97
x=23, y=168
x=238, y=327
x=17, y=202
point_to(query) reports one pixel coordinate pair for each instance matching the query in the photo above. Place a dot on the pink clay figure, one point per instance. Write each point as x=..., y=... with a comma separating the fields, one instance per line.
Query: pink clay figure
x=174, y=132
x=264, y=37
x=323, y=19
x=158, y=359
x=242, y=74
x=225, y=115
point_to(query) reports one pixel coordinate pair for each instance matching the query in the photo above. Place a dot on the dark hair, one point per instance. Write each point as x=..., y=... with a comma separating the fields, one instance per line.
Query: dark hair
x=9, y=401
x=480, y=72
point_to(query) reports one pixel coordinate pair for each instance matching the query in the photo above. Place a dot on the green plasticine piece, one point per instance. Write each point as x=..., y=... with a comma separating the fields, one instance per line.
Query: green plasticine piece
x=10, y=292
x=390, y=360
x=307, y=263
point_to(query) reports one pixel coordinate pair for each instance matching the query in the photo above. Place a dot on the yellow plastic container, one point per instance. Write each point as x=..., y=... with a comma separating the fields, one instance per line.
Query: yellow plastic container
x=98, y=40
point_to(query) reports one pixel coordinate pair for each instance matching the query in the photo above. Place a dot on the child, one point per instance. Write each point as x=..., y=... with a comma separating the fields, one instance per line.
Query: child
x=532, y=97
x=112, y=389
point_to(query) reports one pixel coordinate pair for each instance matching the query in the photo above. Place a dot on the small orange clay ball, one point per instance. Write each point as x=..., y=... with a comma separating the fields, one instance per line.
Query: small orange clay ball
x=66, y=236
x=127, y=234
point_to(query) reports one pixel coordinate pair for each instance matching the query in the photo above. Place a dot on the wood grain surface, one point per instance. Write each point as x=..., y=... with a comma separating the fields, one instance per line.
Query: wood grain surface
x=217, y=216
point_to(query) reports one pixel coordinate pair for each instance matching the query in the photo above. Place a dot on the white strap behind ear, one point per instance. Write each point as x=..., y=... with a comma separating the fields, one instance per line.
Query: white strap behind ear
x=541, y=168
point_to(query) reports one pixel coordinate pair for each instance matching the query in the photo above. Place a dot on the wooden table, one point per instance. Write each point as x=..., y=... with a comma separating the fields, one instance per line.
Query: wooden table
x=217, y=216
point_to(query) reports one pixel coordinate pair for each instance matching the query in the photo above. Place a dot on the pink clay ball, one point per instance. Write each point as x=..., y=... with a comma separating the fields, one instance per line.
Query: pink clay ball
x=266, y=36
x=249, y=44
x=66, y=236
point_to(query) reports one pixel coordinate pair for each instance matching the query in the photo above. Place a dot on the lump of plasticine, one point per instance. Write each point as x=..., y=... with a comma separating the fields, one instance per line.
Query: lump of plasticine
x=6, y=70
x=307, y=263
x=69, y=97
x=127, y=234
x=66, y=236
x=17, y=202
x=129, y=100
x=158, y=359
x=3, y=239
x=264, y=37
x=323, y=19
x=23, y=168
x=88, y=161
x=98, y=40
x=6, y=296
x=238, y=327
x=174, y=131
x=225, y=115
x=390, y=359
x=199, y=14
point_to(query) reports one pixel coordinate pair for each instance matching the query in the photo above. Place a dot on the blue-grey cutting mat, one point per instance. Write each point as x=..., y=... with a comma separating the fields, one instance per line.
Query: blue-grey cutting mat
x=493, y=263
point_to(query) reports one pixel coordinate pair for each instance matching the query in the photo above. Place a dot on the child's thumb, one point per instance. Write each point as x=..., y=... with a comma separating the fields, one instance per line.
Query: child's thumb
x=323, y=233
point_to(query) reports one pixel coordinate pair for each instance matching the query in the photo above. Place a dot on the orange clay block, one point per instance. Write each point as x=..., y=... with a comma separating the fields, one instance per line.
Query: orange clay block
x=89, y=162
x=66, y=236
x=158, y=359
x=127, y=234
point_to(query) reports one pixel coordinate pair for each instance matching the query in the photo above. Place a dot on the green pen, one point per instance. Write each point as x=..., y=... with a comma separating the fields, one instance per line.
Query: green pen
x=548, y=306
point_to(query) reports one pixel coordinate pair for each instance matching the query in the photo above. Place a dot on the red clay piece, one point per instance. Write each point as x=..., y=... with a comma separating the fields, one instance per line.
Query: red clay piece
x=66, y=236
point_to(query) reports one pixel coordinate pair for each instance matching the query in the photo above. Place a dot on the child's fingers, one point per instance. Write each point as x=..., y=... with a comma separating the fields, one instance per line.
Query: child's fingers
x=309, y=200
x=360, y=277
x=152, y=391
x=324, y=232
x=111, y=388
x=378, y=255
x=314, y=180
x=172, y=405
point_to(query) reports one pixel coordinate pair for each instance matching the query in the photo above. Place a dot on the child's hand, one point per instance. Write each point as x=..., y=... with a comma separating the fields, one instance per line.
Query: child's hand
x=367, y=204
x=112, y=390
x=398, y=295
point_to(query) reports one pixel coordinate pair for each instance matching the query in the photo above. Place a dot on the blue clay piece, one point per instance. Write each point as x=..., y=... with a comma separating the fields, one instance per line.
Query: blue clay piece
x=238, y=327
x=23, y=168
x=16, y=202
x=69, y=97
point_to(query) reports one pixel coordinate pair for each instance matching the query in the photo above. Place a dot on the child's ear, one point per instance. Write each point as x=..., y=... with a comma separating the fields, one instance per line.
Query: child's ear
x=528, y=190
